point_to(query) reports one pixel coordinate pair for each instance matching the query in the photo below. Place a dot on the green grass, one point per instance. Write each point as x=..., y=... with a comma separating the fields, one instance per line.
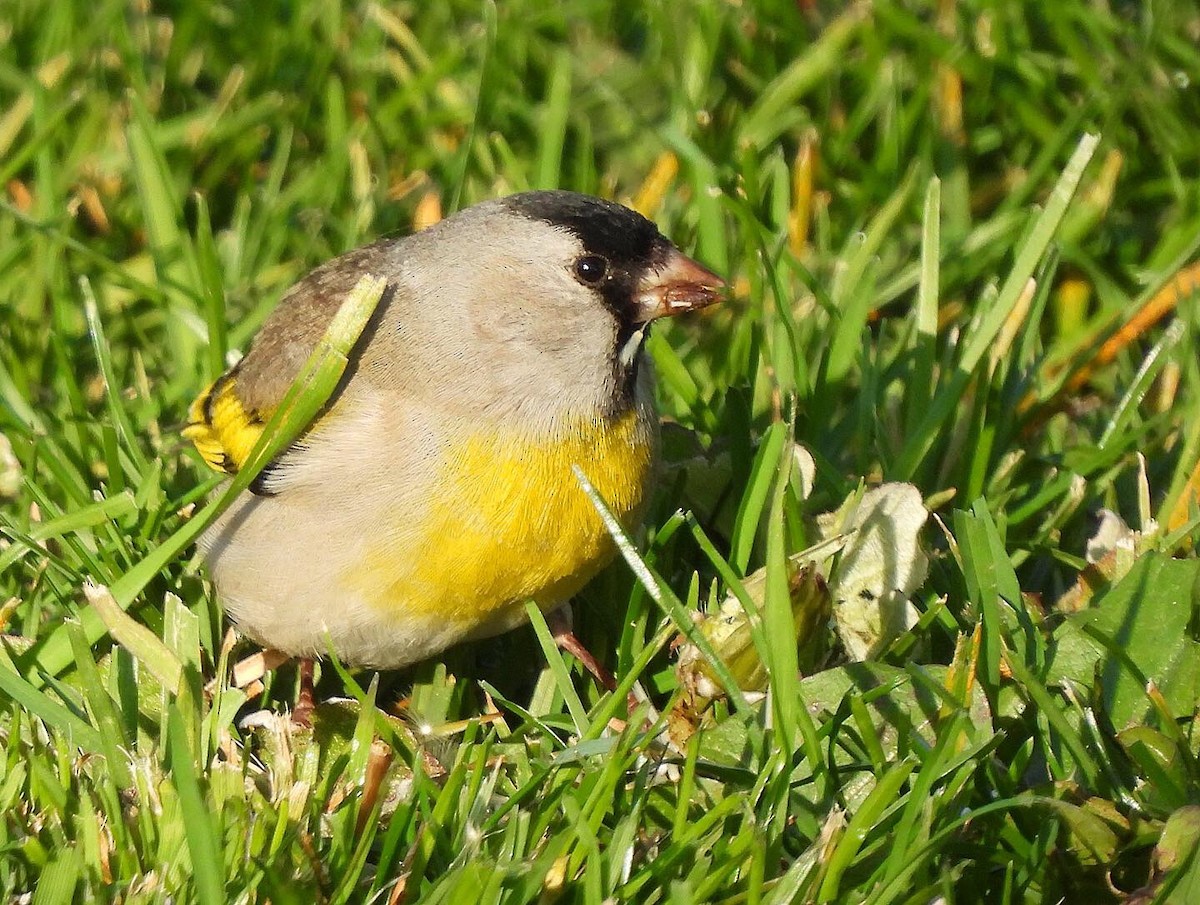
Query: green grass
x=934, y=215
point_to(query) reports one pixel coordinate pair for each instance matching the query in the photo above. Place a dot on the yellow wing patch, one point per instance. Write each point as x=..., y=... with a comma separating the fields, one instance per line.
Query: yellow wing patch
x=221, y=428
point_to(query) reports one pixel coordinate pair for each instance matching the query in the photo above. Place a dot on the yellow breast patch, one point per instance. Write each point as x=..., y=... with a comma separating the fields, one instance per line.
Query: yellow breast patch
x=508, y=521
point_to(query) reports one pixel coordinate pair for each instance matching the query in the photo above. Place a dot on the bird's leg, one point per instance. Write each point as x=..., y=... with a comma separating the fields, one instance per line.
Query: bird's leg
x=561, y=629
x=305, y=704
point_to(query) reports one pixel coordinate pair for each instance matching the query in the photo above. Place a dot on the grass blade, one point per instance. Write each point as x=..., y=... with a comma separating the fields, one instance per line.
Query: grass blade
x=948, y=397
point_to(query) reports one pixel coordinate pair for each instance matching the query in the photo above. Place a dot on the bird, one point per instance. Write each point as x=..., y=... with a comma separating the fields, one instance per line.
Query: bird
x=435, y=494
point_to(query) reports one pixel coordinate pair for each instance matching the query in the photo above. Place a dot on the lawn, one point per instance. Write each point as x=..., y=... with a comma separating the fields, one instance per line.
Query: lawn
x=931, y=470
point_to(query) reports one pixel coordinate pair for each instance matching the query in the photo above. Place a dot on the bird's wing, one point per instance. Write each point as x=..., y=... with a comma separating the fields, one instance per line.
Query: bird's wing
x=221, y=427
x=226, y=420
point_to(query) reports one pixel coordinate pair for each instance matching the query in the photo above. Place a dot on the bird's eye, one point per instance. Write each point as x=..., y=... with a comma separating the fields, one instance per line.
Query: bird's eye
x=591, y=269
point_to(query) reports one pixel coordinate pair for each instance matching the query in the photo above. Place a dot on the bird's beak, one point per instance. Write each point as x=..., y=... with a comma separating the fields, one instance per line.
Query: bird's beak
x=677, y=286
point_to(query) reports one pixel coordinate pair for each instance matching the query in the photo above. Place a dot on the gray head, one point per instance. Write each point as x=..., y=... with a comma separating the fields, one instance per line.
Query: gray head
x=546, y=296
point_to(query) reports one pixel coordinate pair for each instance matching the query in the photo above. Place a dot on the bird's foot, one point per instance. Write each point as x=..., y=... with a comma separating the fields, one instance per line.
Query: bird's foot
x=305, y=702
